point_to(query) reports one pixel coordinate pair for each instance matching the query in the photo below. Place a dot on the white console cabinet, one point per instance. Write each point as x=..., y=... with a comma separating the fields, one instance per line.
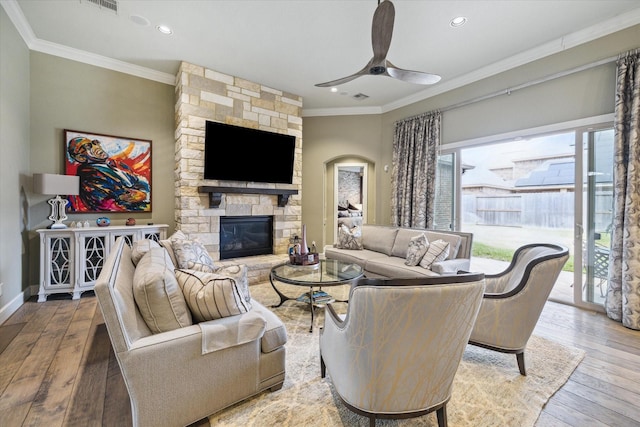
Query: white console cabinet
x=71, y=259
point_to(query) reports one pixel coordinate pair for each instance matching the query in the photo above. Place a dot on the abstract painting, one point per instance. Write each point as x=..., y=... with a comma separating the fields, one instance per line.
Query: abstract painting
x=114, y=171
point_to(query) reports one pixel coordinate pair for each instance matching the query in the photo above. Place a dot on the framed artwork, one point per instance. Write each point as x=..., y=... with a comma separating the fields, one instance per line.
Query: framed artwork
x=114, y=171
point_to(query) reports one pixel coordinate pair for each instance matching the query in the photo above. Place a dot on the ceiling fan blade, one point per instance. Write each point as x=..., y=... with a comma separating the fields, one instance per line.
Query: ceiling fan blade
x=382, y=30
x=342, y=80
x=410, y=76
x=363, y=72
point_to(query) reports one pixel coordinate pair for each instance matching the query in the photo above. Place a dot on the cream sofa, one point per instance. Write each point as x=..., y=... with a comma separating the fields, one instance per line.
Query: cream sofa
x=385, y=250
x=177, y=377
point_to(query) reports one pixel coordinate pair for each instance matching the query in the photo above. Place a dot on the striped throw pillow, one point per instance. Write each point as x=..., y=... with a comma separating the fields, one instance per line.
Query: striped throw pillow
x=438, y=251
x=210, y=295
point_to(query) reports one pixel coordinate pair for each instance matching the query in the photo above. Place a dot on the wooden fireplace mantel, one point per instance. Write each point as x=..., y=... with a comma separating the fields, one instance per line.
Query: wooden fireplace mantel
x=215, y=193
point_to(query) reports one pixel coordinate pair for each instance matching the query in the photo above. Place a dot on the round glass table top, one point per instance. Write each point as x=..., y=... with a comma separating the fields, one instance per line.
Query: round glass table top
x=326, y=273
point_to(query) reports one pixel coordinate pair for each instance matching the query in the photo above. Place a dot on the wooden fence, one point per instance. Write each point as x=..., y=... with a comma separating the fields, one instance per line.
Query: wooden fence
x=546, y=210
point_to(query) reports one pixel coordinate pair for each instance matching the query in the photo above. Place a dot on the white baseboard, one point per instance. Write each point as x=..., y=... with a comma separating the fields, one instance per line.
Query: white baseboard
x=8, y=309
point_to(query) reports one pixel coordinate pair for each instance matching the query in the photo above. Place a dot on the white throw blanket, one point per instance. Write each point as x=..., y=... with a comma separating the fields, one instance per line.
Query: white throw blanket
x=230, y=331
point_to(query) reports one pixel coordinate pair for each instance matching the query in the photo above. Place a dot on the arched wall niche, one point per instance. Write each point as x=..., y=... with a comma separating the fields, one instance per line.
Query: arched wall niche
x=348, y=180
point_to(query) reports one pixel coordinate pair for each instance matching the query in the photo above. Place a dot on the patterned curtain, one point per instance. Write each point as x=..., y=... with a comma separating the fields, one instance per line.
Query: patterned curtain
x=623, y=295
x=415, y=153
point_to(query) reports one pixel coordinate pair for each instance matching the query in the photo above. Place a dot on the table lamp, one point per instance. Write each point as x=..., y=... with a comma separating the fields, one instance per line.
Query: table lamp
x=53, y=184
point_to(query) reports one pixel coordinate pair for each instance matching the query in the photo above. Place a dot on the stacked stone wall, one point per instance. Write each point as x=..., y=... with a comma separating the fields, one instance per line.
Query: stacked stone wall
x=203, y=94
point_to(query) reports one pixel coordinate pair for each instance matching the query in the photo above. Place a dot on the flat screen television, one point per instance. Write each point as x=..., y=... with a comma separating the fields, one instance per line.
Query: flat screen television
x=236, y=153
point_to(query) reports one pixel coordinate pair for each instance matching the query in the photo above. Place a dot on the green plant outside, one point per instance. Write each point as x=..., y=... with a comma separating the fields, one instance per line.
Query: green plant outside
x=482, y=250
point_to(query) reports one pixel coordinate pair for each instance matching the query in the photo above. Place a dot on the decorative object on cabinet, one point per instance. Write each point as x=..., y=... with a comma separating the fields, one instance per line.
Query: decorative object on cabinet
x=71, y=259
x=131, y=221
x=114, y=172
x=103, y=221
x=56, y=185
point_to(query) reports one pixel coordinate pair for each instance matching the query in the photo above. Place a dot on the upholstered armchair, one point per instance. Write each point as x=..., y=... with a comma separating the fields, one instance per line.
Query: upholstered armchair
x=397, y=350
x=514, y=299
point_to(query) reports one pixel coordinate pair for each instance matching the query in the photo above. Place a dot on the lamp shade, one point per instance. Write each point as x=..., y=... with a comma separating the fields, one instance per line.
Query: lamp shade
x=53, y=184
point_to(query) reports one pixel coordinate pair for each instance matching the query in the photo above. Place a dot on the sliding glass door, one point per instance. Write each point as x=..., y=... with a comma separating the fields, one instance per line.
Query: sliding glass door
x=444, y=218
x=554, y=188
x=597, y=213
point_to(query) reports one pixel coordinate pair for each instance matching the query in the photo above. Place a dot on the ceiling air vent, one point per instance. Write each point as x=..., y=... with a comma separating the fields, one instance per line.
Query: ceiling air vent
x=111, y=5
x=360, y=96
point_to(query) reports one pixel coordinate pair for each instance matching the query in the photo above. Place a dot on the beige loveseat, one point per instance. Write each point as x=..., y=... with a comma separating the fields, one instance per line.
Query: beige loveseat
x=180, y=376
x=385, y=251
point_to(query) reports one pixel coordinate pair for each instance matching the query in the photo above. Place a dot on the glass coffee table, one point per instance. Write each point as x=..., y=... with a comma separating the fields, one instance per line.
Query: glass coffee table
x=328, y=272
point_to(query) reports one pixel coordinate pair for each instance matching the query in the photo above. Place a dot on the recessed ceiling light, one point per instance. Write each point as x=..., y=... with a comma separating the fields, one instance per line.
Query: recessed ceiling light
x=334, y=89
x=140, y=20
x=458, y=21
x=164, y=29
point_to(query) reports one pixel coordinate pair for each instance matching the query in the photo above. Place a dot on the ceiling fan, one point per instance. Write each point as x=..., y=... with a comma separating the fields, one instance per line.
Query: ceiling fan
x=381, y=32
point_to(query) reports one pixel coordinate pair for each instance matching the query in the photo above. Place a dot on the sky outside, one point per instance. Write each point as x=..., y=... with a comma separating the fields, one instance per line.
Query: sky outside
x=503, y=153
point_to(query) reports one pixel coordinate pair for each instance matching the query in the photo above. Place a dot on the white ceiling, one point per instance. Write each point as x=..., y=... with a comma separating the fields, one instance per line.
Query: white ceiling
x=292, y=45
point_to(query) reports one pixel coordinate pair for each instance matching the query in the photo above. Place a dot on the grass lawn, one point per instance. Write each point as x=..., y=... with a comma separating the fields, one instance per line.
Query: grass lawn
x=482, y=250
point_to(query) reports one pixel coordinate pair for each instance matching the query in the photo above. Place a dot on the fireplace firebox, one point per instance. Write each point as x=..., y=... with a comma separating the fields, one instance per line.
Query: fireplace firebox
x=242, y=236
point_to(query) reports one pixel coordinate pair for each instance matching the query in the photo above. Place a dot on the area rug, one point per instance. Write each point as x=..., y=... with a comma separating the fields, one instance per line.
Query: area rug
x=488, y=388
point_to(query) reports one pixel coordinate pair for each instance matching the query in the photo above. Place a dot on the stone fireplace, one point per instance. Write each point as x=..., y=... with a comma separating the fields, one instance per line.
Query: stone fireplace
x=203, y=94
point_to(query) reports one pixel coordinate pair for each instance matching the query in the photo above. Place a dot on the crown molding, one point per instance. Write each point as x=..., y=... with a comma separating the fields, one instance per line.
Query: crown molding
x=601, y=29
x=347, y=111
x=102, y=61
x=586, y=35
x=33, y=43
x=19, y=21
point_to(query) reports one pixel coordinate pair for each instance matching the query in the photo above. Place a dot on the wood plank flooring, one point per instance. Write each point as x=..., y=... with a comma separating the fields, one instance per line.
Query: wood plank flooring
x=57, y=368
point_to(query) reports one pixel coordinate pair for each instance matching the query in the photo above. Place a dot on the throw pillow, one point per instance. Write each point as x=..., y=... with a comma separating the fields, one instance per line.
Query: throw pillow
x=437, y=251
x=178, y=235
x=166, y=243
x=204, y=268
x=239, y=273
x=210, y=295
x=418, y=246
x=191, y=251
x=157, y=293
x=141, y=247
x=349, y=238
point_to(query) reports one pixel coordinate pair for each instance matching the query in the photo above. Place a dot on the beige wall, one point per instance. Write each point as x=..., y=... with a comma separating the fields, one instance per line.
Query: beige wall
x=70, y=95
x=343, y=139
x=14, y=163
x=584, y=94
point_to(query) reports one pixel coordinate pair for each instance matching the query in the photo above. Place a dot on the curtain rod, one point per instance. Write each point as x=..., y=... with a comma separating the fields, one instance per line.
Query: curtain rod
x=509, y=90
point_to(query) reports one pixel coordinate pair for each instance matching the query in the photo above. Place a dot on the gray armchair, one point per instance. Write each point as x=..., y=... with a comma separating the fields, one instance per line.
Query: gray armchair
x=397, y=350
x=514, y=299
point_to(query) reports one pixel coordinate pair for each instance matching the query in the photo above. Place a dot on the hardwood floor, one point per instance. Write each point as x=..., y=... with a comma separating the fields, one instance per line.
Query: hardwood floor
x=57, y=369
